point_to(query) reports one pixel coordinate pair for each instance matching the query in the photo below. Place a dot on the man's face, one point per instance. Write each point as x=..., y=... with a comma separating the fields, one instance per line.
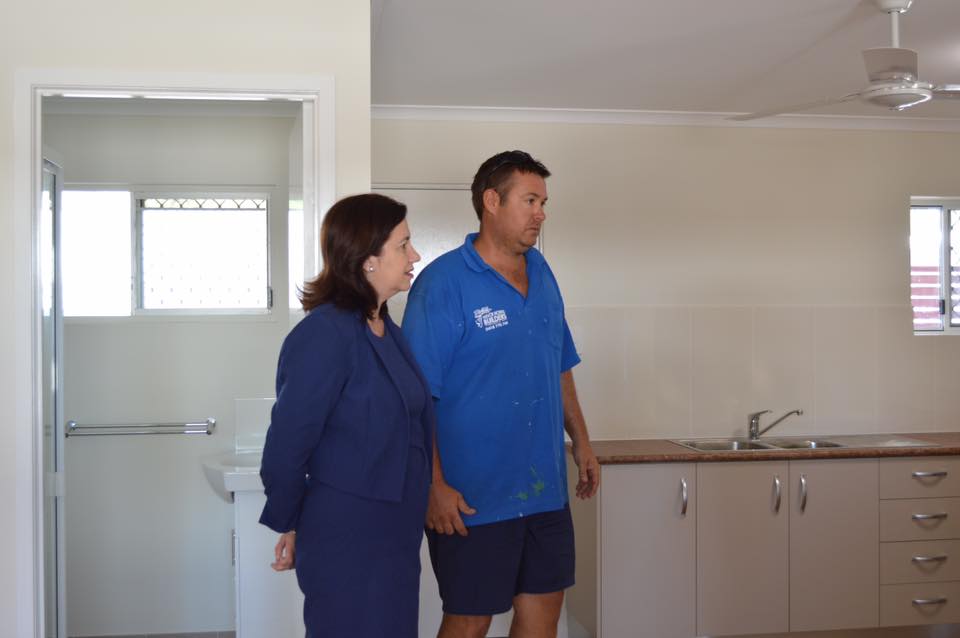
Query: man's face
x=518, y=216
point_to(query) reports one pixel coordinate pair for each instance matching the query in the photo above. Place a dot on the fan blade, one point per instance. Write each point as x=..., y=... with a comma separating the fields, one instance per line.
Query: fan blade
x=946, y=90
x=889, y=63
x=793, y=108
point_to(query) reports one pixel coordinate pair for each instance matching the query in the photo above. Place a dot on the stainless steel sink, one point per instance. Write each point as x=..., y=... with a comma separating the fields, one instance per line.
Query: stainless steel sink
x=723, y=445
x=743, y=444
x=746, y=445
x=803, y=444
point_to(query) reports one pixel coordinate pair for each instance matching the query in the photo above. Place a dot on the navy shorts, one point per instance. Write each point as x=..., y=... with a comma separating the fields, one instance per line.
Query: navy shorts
x=479, y=574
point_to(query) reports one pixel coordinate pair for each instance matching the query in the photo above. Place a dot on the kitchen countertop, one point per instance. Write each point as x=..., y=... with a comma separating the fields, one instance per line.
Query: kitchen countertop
x=859, y=446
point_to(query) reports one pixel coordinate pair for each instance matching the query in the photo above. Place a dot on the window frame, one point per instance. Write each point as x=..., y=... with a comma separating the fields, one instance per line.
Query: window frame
x=192, y=192
x=946, y=205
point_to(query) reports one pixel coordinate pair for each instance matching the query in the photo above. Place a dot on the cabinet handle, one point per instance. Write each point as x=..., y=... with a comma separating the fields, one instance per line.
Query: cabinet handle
x=939, y=558
x=930, y=601
x=777, y=493
x=921, y=475
x=803, y=492
x=684, y=500
x=928, y=517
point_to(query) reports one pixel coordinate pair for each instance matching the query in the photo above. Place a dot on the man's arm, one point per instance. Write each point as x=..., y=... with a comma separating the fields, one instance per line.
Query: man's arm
x=445, y=504
x=576, y=427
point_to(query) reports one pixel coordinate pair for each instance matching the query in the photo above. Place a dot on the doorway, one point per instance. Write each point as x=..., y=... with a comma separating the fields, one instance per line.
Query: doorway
x=53, y=483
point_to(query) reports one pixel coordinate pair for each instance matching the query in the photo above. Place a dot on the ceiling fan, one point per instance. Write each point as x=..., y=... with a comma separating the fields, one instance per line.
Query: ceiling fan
x=892, y=72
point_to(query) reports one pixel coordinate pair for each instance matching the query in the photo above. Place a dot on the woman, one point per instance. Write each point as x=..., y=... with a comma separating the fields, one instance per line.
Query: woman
x=346, y=464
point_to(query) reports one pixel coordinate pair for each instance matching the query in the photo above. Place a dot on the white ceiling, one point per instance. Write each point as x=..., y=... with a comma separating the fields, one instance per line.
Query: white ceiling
x=729, y=56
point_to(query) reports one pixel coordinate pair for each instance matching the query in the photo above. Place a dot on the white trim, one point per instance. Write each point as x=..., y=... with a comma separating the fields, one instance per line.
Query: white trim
x=420, y=186
x=659, y=118
x=28, y=533
x=142, y=107
x=29, y=85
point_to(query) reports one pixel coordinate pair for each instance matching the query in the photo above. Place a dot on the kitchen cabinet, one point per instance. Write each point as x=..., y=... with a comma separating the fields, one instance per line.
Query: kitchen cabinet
x=809, y=564
x=920, y=541
x=636, y=548
x=742, y=580
x=834, y=539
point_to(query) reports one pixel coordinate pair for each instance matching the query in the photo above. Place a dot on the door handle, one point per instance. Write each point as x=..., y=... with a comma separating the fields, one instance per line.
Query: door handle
x=684, y=497
x=778, y=492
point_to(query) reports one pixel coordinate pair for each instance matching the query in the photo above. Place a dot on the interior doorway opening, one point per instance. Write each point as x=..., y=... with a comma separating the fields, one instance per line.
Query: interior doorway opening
x=308, y=191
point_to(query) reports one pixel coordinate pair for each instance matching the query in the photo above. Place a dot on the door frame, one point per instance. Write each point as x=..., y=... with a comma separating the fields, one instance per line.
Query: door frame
x=316, y=92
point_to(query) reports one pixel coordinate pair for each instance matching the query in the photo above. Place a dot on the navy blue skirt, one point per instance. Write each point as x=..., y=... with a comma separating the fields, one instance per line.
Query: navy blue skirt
x=358, y=560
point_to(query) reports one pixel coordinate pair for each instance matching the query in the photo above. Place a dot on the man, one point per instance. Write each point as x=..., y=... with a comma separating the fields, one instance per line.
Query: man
x=486, y=323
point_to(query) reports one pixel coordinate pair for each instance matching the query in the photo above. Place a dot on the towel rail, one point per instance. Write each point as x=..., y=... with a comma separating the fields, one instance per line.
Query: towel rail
x=200, y=427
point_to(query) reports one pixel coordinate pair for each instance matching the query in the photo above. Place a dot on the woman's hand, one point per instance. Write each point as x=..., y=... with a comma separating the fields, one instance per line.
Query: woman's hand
x=284, y=552
x=444, y=509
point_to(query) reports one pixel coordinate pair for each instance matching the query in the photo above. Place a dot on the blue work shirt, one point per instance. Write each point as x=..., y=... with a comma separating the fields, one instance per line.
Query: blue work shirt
x=493, y=360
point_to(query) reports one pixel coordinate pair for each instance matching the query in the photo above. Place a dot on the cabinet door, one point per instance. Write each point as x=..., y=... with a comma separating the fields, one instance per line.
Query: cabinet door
x=648, y=551
x=834, y=544
x=742, y=582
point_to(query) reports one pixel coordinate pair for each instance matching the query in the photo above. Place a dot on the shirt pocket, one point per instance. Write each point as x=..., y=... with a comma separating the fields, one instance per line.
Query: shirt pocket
x=553, y=325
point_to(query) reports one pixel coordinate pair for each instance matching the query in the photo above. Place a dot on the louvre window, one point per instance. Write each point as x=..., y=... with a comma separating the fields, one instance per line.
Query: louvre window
x=935, y=265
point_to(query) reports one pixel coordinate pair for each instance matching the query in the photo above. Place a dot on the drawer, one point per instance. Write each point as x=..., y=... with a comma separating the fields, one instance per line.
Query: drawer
x=920, y=519
x=919, y=562
x=905, y=604
x=920, y=477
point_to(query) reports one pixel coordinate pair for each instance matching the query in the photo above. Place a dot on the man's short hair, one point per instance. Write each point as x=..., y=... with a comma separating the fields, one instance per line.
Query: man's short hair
x=497, y=171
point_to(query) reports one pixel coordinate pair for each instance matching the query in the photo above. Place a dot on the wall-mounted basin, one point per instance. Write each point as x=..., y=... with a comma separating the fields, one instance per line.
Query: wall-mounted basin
x=230, y=472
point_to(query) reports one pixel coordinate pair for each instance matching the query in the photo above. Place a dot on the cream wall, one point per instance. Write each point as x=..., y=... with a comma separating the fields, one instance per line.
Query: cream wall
x=712, y=272
x=286, y=37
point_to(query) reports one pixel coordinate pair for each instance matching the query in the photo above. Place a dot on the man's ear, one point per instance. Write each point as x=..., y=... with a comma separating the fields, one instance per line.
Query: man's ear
x=491, y=200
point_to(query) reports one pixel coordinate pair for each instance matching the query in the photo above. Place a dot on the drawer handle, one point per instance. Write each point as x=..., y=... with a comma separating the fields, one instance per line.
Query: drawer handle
x=921, y=475
x=929, y=559
x=930, y=601
x=684, y=496
x=929, y=517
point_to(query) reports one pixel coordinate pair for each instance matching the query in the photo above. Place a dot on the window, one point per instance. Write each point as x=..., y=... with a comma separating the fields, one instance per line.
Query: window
x=203, y=253
x=935, y=264
x=127, y=254
x=95, y=253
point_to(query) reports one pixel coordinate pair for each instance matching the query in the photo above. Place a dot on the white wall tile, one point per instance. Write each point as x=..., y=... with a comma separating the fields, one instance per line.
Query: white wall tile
x=783, y=367
x=948, y=380
x=600, y=377
x=907, y=383
x=656, y=351
x=722, y=362
x=845, y=370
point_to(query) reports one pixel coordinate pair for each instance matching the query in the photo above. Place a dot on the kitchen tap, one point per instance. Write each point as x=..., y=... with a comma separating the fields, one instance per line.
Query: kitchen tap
x=755, y=430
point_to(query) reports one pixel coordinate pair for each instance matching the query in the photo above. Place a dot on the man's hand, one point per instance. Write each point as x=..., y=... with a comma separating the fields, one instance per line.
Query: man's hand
x=444, y=509
x=589, y=467
x=284, y=552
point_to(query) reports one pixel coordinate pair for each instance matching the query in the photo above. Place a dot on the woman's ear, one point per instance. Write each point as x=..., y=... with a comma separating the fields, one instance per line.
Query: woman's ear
x=370, y=264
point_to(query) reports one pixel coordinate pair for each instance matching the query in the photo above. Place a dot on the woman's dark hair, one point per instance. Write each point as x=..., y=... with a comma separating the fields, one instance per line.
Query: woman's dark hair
x=497, y=172
x=354, y=228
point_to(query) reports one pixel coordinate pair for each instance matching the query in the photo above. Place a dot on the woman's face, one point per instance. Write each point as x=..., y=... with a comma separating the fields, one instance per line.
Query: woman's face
x=392, y=269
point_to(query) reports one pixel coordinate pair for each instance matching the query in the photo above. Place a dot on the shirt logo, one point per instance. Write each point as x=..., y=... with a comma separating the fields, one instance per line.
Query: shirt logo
x=490, y=319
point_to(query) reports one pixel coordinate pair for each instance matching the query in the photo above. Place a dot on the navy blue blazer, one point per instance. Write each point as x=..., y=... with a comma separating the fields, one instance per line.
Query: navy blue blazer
x=339, y=416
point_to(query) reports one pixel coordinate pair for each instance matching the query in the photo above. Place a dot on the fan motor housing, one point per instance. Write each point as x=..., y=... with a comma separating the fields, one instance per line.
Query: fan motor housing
x=897, y=96
x=894, y=6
